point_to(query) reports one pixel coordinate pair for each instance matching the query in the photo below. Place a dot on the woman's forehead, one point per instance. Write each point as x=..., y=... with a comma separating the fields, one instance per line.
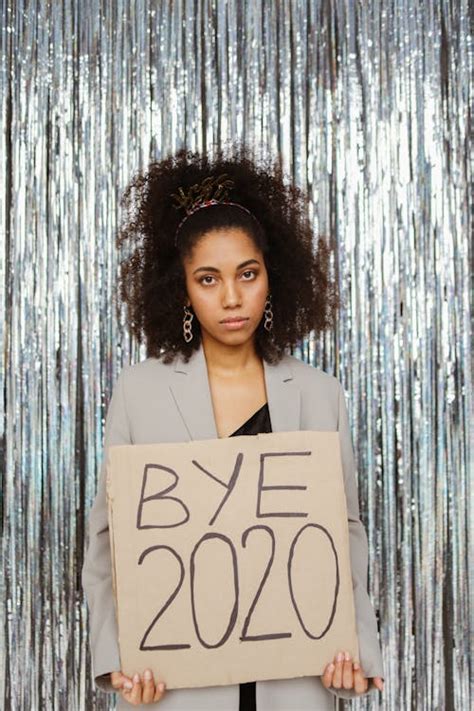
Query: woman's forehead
x=224, y=244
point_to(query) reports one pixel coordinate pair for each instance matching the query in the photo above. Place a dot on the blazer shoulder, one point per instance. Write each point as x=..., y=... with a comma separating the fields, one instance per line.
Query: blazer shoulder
x=134, y=372
x=306, y=373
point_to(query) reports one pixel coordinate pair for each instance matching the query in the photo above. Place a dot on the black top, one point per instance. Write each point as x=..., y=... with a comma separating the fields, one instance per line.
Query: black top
x=257, y=423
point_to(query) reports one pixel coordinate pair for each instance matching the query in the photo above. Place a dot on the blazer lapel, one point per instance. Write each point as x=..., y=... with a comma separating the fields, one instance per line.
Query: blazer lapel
x=191, y=392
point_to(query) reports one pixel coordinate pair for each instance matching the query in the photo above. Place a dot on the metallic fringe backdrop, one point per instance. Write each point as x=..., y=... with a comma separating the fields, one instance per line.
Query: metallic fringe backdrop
x=367, y=104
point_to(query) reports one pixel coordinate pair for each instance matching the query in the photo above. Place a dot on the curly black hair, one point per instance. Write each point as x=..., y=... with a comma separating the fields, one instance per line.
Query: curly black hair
x=152, y=277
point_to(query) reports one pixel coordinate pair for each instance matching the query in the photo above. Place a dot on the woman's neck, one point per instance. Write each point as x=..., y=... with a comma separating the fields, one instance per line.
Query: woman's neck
x=230, y=361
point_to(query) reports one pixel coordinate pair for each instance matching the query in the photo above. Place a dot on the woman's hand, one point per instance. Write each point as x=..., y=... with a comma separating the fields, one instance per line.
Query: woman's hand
x=343, y=673
x=136, y=692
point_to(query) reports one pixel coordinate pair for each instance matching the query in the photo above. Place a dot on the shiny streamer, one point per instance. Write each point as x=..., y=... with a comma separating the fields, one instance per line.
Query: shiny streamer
x=367, y=106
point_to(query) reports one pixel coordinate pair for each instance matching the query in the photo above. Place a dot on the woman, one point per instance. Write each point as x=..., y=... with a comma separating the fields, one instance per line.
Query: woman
x=222, y=279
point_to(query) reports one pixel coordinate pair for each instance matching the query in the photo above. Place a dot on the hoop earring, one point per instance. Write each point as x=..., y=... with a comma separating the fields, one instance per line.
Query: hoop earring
x=187, y=328
x=268, y=324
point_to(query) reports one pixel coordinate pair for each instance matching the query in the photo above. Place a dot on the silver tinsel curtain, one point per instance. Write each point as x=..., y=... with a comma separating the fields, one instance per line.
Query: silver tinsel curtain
x=367, y=105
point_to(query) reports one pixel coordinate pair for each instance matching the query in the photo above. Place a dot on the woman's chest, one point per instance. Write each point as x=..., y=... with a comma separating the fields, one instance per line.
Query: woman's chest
x=234, y=402
x=180, y=408
x=163, y=419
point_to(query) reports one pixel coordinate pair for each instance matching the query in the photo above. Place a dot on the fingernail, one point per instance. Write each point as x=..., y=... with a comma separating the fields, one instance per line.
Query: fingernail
x=331, y=667
x=356, y=665
x=136, y=678
x=340, y=657
x=128, y=684
x=148, y=675
x=161, y=686
x=348, y=656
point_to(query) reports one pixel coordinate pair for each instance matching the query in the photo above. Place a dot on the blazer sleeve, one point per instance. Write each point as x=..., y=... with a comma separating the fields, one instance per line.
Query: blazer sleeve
x=97, y=567
x=369, y=647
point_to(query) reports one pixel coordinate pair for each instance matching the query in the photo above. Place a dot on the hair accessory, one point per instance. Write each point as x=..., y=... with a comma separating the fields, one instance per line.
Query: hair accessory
x=211, y=191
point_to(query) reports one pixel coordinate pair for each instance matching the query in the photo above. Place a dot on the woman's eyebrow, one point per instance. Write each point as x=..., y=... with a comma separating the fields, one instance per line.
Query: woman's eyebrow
x=213, y=269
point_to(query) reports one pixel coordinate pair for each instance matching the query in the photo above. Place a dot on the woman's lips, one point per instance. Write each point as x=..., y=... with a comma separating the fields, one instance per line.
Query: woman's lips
x=234, y=325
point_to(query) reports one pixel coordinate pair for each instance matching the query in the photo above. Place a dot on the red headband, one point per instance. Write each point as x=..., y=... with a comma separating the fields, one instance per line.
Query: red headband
x=211, y=191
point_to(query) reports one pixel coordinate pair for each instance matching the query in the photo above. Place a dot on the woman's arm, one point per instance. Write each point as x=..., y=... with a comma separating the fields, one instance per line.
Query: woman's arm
x=370, y=656
x=97, y=568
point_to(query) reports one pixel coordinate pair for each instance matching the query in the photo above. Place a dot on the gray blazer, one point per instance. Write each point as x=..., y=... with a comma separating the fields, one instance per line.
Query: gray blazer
x=156, y=402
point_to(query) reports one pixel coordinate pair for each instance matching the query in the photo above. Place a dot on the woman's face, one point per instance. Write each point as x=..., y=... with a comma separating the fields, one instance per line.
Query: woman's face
x=226, y=278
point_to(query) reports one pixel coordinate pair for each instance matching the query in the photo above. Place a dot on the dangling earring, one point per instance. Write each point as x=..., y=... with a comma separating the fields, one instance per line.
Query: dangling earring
x=187, y=328
x=268, y=324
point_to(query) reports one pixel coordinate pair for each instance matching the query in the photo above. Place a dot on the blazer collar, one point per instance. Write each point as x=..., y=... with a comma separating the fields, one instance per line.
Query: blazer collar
x=191, y=391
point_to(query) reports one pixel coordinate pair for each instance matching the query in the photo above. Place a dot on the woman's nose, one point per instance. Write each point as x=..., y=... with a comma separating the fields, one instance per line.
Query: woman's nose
x=231, y=295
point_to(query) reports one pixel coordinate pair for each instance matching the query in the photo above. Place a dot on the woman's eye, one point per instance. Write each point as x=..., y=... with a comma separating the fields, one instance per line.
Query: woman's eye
x=206, y=277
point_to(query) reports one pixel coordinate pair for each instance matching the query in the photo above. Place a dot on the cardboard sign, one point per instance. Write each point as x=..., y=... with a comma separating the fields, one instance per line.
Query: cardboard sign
x=230, y=557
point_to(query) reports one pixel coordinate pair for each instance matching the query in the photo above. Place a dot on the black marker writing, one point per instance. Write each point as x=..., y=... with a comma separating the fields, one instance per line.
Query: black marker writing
x=261, y=486
x=229, y=486
x=160, y=495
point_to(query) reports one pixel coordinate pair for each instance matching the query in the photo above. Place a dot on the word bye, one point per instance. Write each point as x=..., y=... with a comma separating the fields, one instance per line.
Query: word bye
x=162, y=495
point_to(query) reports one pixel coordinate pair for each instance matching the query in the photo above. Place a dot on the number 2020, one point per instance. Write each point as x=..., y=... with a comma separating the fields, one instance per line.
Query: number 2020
x=245, y=637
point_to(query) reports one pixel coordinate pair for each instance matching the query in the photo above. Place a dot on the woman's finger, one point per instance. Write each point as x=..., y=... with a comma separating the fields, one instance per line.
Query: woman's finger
x=117, y=679
x=326, y=678
x=360, y=682
x=347, y=672
x=378, y=681
x=135, y=696
x=127, y=690
x=337, y=676
x=160, y=690
x=148, y=691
